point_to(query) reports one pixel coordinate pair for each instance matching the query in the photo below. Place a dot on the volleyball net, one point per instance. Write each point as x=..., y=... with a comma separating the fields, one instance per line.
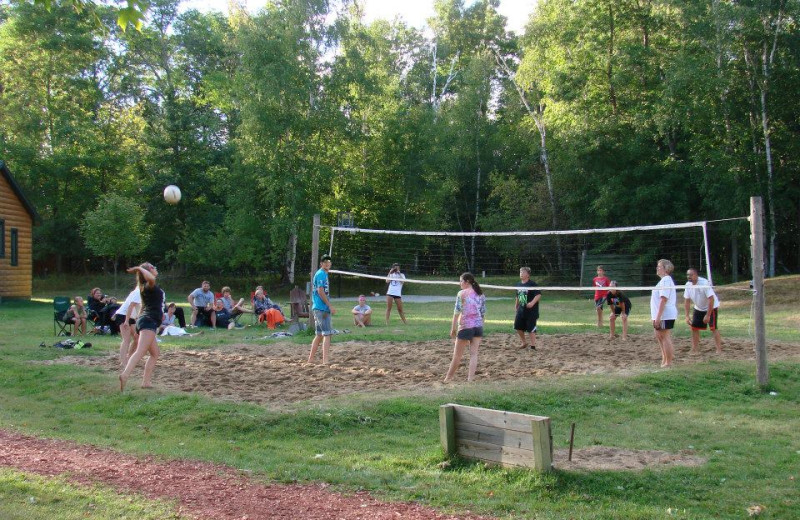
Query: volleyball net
x=560, y=260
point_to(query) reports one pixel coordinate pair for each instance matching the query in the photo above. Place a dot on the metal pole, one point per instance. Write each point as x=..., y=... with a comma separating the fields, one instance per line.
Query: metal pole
x=314, y=263
x=708, y=253
x=757, y=253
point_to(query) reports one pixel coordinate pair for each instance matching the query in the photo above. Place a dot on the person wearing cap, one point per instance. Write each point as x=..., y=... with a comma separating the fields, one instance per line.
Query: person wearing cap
x=394, y=292
x=362, y=313
x=323, y=310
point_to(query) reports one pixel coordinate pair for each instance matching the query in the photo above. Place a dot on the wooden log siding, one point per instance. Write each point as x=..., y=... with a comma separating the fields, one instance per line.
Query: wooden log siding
x=15, y=281
x=496, y=436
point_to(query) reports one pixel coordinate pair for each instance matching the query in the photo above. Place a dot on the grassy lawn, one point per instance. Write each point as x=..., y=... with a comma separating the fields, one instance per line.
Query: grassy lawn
x=31, y=497
x=390, y=446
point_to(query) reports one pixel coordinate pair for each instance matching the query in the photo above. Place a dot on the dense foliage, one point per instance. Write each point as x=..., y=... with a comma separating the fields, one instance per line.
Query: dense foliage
x=603, y=113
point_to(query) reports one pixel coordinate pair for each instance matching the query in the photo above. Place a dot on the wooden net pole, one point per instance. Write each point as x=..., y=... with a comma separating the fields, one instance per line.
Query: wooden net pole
x=757, y=253
x=314, y=265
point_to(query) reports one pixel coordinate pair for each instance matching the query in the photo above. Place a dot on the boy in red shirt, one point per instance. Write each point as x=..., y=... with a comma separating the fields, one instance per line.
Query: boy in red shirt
x=601, y=280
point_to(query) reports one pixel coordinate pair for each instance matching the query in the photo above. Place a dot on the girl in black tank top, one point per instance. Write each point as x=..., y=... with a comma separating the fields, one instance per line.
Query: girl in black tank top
x=147, y=324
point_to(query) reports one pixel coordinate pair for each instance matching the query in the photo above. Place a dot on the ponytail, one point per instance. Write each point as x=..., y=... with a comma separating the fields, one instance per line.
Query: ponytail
x=469, y=278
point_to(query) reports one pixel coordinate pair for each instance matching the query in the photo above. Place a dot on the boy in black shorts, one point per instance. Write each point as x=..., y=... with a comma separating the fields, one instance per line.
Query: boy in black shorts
x=527, y=306
x=619, y=305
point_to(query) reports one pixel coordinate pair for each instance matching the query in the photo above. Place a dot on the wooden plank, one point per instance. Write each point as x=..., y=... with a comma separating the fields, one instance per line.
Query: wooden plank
x=542, y=445
x=447, y=428
x=498, y=454
x=495, y=418
x=501, y=437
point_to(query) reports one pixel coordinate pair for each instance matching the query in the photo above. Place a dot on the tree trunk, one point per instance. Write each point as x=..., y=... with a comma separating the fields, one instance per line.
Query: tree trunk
x=612, y=94
x=538, y=118
x=477, y=202
x=116, y=262
x=291, y=256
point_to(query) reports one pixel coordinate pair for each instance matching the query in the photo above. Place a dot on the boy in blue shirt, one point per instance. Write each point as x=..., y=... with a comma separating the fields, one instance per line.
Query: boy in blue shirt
x=322, y=309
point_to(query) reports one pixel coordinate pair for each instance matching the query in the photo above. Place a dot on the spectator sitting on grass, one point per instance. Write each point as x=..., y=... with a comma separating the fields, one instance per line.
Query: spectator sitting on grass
x=168, y=327
x=234, y=309
x=362, y=313
x=223, y=316
x=202, y=302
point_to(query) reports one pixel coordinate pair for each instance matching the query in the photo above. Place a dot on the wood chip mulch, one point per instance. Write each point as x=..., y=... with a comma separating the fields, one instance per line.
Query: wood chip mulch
x=202, y=490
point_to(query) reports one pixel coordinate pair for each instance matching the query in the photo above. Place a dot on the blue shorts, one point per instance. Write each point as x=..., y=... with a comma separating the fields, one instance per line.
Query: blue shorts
x=468, y=334
x=322, y=323
x=147, y=323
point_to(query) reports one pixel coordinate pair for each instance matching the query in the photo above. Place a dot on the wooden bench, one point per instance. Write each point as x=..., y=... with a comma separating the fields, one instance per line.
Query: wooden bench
x=506, y=438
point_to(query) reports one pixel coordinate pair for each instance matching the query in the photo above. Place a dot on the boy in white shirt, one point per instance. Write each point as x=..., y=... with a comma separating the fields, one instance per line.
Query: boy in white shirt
x=362, y=313
x=706, y=309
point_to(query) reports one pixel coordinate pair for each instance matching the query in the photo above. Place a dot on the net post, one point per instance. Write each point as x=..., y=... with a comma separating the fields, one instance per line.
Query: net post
x=757, y=253
x=707, y=253
x=314, y=263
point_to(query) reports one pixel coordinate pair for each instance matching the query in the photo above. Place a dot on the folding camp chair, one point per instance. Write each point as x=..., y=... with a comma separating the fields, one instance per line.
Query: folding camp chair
x=61, y=305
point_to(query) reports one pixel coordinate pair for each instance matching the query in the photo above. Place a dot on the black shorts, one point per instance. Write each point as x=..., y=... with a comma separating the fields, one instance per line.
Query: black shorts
x=120, y=318
x=697, y=320
x=147, y=323
x=468, y=334
x=667, y=324
x=525, y=321
x=619, y=310
x=203, y=317
x=395, y=297
x=599, y=302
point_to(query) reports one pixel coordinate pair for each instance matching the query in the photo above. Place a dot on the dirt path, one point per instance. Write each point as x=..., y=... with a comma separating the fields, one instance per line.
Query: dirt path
x=202, y=490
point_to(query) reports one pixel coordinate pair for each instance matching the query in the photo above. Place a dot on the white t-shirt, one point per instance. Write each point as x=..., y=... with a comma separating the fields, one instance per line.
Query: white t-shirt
x=134, y=297
x=395, y=284
x=664, y=289
x=700, y=293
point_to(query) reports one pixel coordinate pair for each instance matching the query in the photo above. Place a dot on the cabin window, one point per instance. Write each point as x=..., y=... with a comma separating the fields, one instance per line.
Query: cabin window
x=14, y=246
x=2, y=238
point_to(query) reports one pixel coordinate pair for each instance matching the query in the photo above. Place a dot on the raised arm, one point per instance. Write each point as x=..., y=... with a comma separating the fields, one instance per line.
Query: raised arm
x=149, y=277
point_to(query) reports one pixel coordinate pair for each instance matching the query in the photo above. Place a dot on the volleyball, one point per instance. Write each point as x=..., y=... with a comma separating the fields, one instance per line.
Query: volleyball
x=172, y=194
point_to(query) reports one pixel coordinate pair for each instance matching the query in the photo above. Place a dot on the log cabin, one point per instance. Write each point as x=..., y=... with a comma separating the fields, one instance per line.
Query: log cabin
x=17, y=217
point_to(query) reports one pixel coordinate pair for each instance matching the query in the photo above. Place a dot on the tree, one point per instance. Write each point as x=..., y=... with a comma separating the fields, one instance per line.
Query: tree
x=133, y=14
x=116, y=229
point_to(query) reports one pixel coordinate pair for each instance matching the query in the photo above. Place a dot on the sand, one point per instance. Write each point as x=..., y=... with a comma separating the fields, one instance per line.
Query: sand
x=276, y=373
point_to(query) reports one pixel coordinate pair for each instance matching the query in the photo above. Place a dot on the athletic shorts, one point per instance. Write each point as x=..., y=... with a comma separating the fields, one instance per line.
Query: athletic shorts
x=526, y=322
x=395, y=297
x=667, y=324
x=472, y=332
x=697, y=320
x=599, y=302
x=618, y=310
x=147, y=323
x=322, y=323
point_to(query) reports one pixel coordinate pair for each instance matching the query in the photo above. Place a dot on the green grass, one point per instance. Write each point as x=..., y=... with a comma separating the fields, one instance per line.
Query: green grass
x=31, y=497
x=390, y=446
